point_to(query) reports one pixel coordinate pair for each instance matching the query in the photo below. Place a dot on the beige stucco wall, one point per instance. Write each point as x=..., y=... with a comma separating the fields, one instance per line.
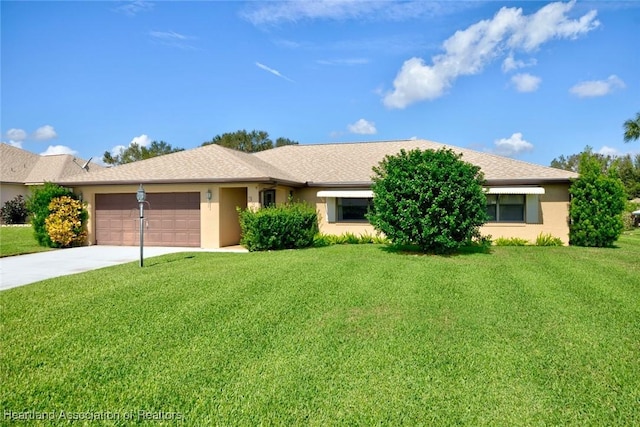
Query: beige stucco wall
x=309, y=195
x=11, y=191
x=219, y=225
x=233, y=195
x=230, y=200
x=553, y=211
x=554, y=215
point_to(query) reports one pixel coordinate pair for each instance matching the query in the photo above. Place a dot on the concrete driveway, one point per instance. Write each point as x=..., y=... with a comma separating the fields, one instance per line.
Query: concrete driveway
x=24, y=269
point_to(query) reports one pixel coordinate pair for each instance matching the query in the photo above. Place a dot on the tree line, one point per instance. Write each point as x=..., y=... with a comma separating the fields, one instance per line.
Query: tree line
x=626, y=168
x=241, y=140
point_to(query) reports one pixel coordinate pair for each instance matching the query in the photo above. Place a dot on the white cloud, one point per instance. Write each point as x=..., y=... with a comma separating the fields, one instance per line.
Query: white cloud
x=142, y=140
x=468, y=51
x=117, y=150
x=58, y=149
x=608, y=151
x=173, y=39
x=525, y=82
x=551, y=22
x=346, y=61
x=168, y=35
x=274, y=72
x=132, y=8
x=593, y=88
x=362, y=127
x=44, y=133
x=512, y=146
x=271, y=13
x=510, y=64
x=17, y=135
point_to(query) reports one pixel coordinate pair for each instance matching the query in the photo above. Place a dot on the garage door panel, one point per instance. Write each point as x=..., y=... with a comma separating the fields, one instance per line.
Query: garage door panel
x=153, y=224
x=170, y=239
x=182, y=239
x=169, y=199
x=152, y=236
x=182, y=199
x=129, y=224
x=171, y=219
x=130, y=238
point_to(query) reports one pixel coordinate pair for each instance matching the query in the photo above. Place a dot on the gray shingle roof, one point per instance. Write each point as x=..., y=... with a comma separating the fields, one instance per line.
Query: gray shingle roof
x=16, y=164
x=210, y=163
x=352, y=162
x=320, y=164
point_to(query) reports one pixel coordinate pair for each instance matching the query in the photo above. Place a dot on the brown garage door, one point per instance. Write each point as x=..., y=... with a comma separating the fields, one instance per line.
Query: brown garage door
x=171, y=219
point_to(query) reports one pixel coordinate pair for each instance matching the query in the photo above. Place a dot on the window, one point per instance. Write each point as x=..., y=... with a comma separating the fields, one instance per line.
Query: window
x=506, y=207
x=353, y=209
x=268, y=198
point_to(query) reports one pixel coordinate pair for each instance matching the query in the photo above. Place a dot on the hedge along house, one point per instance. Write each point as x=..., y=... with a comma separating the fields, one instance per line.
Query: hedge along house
x=193, y=195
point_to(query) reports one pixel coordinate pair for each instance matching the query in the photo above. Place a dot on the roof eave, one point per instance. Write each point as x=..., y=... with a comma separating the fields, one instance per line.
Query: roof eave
x=2, y=182
x=528, y=181
x=265, y=180
x=339, y=184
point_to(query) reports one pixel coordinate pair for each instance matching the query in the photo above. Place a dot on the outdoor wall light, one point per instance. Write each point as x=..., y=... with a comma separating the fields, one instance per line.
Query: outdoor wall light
x=209, y=195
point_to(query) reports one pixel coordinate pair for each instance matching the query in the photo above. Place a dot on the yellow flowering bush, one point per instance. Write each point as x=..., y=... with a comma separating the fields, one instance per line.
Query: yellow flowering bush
x=65, y=223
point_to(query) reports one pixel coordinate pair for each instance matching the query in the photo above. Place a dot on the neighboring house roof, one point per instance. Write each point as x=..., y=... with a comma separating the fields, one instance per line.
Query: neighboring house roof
x=23, y=167
x=340, y=164
x=16, y=164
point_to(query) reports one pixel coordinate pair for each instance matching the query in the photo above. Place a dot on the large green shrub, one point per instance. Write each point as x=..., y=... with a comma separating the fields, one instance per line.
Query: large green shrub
x=288, y=226
x=15, y=211
x=38, y=205
x=597, y=201
x=431, y=199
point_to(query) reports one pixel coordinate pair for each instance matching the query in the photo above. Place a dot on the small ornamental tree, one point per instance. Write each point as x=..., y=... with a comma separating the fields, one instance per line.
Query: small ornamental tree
x=597, y=200
x=38, y=206
x=430, y=199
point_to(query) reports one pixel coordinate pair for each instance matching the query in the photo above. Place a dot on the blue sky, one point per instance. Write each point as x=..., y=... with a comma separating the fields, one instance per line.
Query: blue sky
x=529, y=80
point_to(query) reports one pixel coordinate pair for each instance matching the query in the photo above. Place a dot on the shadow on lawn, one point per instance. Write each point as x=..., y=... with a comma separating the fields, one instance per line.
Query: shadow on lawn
x=413, y=250
x=166, y=259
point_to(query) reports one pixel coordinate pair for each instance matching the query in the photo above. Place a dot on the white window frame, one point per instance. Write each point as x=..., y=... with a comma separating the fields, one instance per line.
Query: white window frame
x=531, y=202
x=332, y=196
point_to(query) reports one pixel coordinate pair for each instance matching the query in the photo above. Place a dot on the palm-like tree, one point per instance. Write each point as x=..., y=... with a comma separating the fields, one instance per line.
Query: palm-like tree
x=632, y=129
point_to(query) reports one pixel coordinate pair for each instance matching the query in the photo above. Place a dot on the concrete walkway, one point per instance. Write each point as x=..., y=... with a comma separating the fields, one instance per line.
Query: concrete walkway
x=24, y=269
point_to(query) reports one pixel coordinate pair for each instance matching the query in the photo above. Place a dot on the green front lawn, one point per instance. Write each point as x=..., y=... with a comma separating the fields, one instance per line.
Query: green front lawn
x=342, y=335
x=18, y=241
